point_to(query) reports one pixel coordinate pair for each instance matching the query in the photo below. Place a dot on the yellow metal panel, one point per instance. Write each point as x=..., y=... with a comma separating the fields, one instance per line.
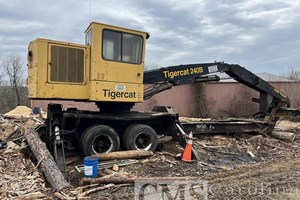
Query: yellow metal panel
x=32, y=82
x=114, y=91
x=63, y=91
x=124, y=72
x=39, y=85
x=35, y=71
x=32, y=73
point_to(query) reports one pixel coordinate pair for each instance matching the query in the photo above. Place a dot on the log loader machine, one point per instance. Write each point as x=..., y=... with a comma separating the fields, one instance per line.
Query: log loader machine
x=109, y=70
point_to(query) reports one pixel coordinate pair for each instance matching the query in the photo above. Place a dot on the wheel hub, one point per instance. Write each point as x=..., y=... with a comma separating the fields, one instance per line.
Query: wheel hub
x=102, y=144
x=143, y=141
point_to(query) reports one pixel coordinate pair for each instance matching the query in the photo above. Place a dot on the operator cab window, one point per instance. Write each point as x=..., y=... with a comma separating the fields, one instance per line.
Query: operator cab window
x=122, y=47
x=88, y=38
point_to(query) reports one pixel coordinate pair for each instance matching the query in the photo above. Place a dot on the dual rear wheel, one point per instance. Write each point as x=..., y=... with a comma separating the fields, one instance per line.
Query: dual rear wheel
x=104, y=139
x=139, y=137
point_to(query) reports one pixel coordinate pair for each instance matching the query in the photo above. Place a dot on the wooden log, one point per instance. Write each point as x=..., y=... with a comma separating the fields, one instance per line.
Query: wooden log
x=104, y=180
x=121, y=180
x=46, y=162
x=119, y=155
x=283, y=135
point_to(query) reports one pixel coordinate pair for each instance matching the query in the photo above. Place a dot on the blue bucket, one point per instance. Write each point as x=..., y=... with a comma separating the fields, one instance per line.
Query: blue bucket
x=90, y=166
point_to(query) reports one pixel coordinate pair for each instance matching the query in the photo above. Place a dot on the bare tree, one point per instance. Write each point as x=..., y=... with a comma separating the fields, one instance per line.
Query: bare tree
x=291, y=89
x=1, y=74
x=13, y=68
x=293, y=74
x=1, y=78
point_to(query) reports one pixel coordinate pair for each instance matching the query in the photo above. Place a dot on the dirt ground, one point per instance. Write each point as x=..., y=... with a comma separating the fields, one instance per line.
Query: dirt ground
x=274, y=172
x=231, y=167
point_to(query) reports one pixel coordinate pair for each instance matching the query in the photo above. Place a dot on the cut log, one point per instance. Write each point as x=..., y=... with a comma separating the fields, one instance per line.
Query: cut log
x=119, y=155
x=121, y=180
x=287, y=136
x=46, y=161
x=104, y=180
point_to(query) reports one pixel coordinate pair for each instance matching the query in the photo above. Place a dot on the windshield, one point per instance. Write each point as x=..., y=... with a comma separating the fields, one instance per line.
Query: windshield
x=122, y=47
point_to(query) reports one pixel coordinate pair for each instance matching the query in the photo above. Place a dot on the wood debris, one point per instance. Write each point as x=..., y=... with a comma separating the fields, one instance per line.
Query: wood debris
x=97, y=189
x=116, y=168
x=19, y=178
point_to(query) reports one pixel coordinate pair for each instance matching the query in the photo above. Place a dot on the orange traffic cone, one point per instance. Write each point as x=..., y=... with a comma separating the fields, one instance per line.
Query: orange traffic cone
x=187, y=154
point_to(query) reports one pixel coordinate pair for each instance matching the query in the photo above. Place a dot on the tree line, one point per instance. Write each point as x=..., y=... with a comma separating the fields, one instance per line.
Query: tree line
x=13, y=89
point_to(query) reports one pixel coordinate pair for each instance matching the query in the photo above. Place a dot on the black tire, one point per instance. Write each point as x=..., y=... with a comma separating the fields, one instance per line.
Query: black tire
x=139, y=137
x=99, y=139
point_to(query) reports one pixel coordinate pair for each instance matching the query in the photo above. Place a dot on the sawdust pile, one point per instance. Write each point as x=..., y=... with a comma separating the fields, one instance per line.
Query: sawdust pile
x=19, y=111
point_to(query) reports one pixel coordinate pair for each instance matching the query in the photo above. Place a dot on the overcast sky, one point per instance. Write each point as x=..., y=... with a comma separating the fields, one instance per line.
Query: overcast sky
x=261, y=35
